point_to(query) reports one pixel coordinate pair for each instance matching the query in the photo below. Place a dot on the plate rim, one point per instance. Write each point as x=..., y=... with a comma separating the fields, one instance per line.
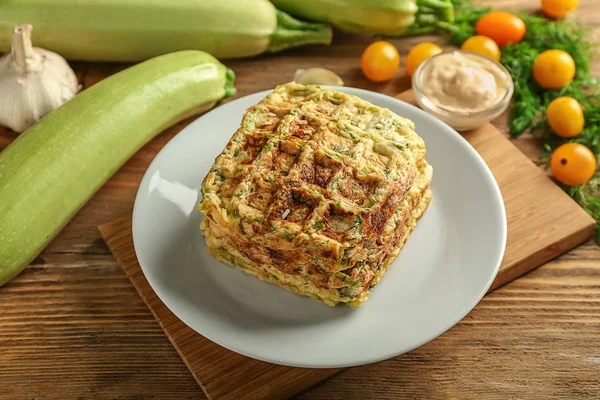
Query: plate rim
x=365, y=360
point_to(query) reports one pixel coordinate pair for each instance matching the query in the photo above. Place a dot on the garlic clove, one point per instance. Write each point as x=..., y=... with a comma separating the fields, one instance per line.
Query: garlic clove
x=33, y=82
x=317, y=76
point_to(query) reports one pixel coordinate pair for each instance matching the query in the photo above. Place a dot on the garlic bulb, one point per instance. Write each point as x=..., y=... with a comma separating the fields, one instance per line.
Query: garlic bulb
x=33, y=82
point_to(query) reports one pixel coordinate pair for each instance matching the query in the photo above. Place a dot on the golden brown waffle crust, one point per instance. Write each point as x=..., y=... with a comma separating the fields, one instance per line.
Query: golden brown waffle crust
x=317, y=192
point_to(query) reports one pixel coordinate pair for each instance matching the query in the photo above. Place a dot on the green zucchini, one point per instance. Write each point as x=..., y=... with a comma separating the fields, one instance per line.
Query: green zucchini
x=135, y=30
x=389, y=17
x=54, y=167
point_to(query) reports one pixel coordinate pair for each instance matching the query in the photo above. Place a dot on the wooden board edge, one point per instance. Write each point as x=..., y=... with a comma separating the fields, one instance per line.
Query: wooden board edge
x=105, y=227
x=330, y=373
x=542, y=256
x=125, y=222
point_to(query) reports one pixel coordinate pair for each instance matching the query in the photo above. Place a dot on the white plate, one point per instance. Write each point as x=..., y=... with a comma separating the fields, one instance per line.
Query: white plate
x=446, y=267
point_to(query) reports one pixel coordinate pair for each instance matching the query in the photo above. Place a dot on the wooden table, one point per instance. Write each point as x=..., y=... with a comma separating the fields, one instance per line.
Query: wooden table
x=72, y=326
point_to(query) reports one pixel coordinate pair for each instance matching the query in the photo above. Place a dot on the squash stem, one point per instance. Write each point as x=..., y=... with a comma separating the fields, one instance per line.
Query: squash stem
x=442, y=8
x=229, y=83
x=22, y=50
x=291, y=32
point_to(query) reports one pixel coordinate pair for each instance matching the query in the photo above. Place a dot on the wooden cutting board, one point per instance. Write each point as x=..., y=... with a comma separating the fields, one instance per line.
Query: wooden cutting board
x=543, y=222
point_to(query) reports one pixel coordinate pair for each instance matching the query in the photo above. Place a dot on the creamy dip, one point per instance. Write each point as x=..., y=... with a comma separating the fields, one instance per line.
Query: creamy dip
x=463, y=82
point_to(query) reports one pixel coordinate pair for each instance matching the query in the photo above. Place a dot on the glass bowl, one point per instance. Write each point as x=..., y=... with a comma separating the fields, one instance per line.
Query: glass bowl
x=461, y=120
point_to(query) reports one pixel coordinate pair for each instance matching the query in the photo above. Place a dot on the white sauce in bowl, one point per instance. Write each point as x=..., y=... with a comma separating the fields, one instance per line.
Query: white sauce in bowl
x=458, y=81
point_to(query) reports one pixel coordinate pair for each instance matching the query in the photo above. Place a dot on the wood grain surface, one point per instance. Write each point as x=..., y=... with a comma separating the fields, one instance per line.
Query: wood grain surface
x=73, y=327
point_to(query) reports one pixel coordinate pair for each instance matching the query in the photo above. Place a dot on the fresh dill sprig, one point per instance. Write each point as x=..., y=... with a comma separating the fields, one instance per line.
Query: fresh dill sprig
x=531, y=100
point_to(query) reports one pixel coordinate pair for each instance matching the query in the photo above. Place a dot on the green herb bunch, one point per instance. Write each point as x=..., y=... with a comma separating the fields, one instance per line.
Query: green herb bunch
x=530, y=101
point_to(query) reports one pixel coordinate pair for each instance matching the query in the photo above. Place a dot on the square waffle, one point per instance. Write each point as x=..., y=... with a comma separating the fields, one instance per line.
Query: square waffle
x=317, y=192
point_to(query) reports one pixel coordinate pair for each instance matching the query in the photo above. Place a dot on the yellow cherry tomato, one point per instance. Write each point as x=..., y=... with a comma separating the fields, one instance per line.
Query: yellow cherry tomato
x=553, y=69
x=482, y=45
x=504, y=28
x=558, y=8
x=380, y=61
x=565, y=117
x=418, y=54
x=573, y=164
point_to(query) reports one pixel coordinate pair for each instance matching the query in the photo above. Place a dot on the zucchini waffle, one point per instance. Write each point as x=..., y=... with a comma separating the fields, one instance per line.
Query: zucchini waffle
x=317, y=192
